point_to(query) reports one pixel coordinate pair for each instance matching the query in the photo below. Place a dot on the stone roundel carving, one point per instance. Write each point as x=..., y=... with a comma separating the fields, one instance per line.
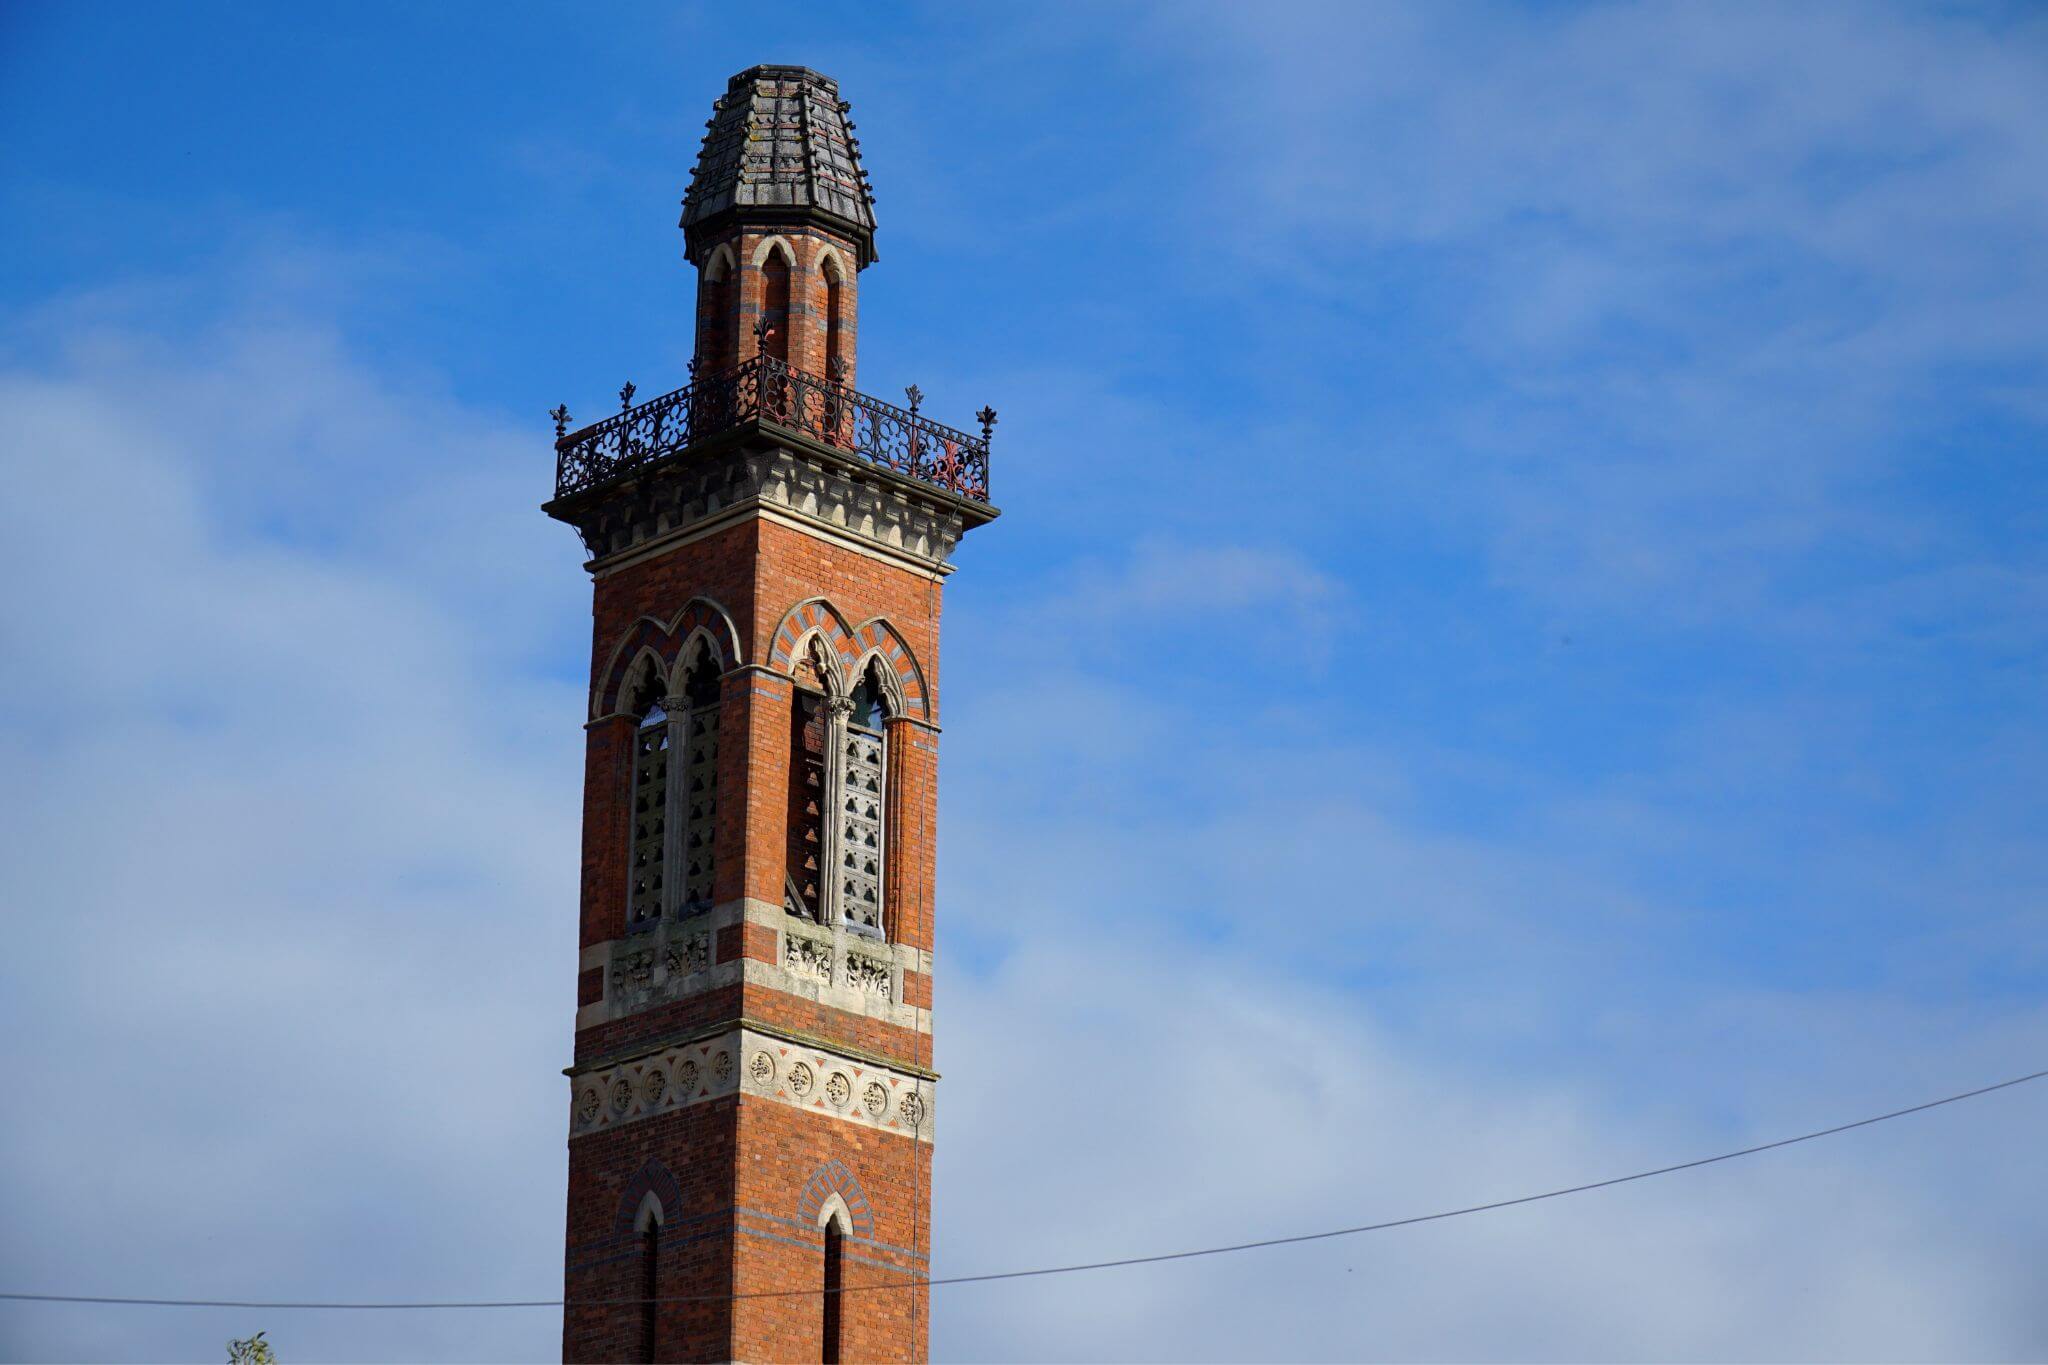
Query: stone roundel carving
x=680, y=1075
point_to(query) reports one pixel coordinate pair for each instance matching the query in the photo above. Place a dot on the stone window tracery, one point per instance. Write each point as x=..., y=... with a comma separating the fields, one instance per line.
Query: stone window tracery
x=647, y=875
x=838, y=801
x=804, y=892
x=699, y=803
x=674, y=798
x=861, y=801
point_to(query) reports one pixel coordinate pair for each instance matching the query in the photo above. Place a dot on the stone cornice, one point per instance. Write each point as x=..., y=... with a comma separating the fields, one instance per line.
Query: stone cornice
x=684, y=1037
x=762, y=470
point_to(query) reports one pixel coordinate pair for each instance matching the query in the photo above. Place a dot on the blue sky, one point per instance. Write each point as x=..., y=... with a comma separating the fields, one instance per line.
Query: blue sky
x=1514, y=653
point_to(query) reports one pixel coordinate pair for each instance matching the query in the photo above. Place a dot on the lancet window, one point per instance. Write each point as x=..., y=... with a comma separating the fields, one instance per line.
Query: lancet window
x=835, y=323
x=718, y=306
x=863, y=771
x=775, y=303
x=647, y=880
x=650, y=1278
x=834, y=1291
x=700, y=785
x=809, y=725
x=838, y=802
x=674, y=794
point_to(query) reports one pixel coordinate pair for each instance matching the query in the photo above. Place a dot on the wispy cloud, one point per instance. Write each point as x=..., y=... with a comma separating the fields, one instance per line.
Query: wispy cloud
x=1529, y=668
x=1727, y=269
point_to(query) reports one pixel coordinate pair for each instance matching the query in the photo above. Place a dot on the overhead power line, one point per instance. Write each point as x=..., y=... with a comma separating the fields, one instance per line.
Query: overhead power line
x=1075, y=1268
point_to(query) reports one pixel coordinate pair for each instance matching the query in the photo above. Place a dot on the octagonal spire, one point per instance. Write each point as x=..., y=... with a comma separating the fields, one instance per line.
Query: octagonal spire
x=778, y=149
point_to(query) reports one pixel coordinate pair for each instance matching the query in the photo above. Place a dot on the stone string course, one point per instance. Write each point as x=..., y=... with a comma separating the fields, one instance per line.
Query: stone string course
x=763, y=1065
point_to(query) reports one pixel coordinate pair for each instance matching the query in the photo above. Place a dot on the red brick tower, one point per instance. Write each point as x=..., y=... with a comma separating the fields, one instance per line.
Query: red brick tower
x=752, y=1102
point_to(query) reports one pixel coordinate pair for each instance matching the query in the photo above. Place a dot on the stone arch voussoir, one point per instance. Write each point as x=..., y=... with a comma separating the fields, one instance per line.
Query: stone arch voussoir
x=814, y=617
x=701, y=619
x=652, y=1178
x=835, y=1177
x=877, y=639
x=769, y=245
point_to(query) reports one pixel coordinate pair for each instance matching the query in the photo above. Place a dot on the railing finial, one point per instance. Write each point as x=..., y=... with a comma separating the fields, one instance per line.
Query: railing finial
x=771, y=391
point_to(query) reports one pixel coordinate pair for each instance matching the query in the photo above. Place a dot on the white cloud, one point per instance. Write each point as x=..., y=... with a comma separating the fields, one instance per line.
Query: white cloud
x=292, y=849
x=1722, y=271
x=291, y=711
x=1126, y=1094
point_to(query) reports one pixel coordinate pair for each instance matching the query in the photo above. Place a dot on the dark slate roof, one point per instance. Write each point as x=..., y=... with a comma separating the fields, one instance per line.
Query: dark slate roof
x=778, y=148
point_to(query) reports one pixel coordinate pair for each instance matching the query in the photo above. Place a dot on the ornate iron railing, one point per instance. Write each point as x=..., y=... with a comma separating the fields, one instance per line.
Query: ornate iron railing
x=768, y=390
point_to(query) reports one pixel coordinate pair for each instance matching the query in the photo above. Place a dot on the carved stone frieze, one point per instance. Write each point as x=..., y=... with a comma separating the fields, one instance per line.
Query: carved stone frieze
x=870, y=974
x=673, y=959
x=633, y=971
x=807, y=956
x=745, y=1061
x=656, y=963
x=691, y=954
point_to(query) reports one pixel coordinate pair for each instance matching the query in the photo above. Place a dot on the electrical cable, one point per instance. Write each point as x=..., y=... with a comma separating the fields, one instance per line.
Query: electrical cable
x=1153, y=1259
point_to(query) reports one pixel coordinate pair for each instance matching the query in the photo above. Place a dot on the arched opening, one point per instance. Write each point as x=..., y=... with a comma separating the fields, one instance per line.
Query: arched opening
x=650, y=1278
x=718, y=309
x=647, y=872
x=699, y=804
x=837, y=362
x=863, y=782
x=810, y=725
x=834, y=1283
x=775, y=305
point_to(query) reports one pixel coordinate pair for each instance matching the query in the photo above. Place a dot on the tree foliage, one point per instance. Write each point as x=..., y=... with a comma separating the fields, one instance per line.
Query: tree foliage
x=251, y=1351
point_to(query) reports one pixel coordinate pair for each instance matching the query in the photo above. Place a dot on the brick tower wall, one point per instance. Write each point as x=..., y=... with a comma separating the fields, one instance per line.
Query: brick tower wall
x=728, y=307
x=744, y=1163
x=745, y=1075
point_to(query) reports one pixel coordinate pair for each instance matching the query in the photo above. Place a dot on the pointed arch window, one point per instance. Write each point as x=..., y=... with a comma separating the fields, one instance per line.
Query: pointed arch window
x=804, y=892
x=835, y=322
x=775, y=304
x=863, y=773
x=647, y=876
x=834, y=1259
x=650, y=1279
x=674, y=798
x=718, y=307
x=699, y=761
x=838, y=423
x=838, y=803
